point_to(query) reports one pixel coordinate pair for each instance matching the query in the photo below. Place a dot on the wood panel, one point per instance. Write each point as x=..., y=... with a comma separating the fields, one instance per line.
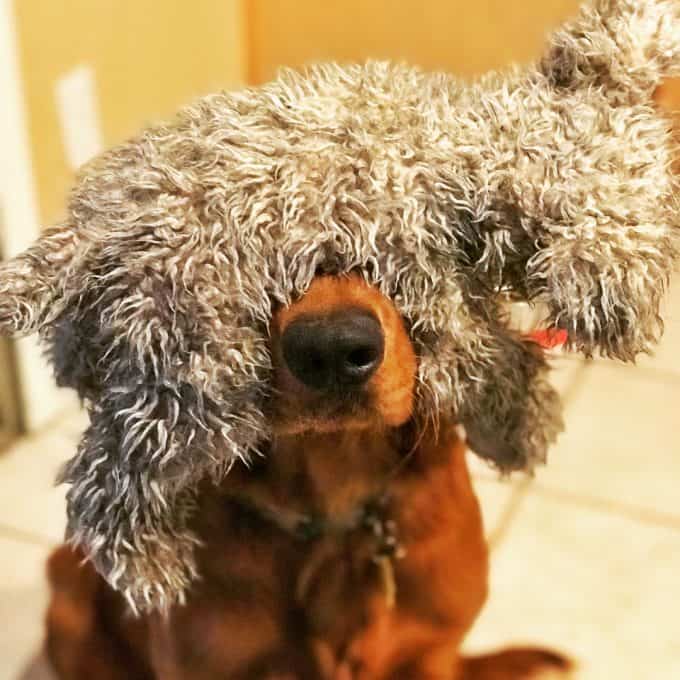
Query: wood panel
x=464, y=37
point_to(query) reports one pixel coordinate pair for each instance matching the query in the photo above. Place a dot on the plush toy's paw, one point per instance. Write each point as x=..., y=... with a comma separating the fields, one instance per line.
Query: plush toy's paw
x=518, y=413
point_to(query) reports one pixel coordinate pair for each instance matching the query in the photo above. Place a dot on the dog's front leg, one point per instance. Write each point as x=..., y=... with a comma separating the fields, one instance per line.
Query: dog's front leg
x=400, y=646
x=439, y=584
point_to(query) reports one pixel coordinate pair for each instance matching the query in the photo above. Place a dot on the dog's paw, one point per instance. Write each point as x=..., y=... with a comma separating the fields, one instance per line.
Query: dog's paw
x=548, y=665
x=552, y=673
x=520, y=663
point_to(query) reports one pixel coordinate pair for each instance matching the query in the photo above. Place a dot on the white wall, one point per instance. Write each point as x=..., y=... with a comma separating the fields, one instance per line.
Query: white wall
x=41, y=400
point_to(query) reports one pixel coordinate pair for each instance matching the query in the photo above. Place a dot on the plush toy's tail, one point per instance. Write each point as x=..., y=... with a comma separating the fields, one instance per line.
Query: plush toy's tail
x=624, y=46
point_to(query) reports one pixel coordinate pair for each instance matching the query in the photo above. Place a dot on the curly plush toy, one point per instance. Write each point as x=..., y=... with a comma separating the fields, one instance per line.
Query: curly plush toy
x=154, y=296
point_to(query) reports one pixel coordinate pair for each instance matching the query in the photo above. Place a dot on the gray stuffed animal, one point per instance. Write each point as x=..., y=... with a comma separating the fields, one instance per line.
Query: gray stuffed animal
x=153, y=297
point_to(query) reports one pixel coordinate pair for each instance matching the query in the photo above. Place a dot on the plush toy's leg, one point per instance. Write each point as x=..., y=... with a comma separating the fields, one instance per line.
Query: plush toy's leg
x=88, y=634
x=520, y=663
x=515, y=415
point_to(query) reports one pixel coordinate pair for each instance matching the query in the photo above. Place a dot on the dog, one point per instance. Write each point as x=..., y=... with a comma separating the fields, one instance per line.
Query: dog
x=352, y=550
x=172, y=299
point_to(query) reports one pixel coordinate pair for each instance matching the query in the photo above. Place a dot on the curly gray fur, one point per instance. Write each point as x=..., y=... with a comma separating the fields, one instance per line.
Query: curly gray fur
x=154, y=298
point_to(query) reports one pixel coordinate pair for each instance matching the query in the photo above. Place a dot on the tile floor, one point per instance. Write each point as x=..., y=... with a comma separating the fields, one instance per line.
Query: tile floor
x=585, y=556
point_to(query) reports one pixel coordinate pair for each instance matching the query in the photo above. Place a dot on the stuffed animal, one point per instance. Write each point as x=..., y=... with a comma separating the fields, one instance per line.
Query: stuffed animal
x=154, y=296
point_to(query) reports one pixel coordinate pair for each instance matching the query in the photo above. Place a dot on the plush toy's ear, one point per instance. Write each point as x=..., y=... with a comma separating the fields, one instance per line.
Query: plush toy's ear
x=131, y=490
x=584, y=209
x=32, y=284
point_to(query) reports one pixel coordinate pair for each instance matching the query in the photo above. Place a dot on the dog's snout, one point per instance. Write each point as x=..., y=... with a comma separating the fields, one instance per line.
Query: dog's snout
x=343, y=349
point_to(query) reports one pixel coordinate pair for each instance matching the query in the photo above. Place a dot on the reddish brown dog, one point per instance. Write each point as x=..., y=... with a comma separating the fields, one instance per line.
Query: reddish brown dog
x=352, y=550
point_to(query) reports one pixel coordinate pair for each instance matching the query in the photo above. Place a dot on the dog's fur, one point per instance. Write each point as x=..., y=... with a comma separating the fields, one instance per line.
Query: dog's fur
x=270, y=604
x=155, y=296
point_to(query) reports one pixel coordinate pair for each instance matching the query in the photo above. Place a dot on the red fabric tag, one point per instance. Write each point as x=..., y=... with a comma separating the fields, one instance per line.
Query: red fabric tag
x=549, y=338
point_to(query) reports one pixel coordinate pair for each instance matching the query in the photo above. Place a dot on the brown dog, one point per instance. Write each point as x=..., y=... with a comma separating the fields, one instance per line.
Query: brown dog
x=352, y=550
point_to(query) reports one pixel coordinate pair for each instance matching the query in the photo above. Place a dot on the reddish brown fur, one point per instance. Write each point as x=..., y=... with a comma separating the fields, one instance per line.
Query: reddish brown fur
x=272, y=606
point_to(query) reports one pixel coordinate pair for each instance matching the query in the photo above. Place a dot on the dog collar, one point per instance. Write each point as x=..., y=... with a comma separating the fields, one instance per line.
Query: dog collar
x=370, y=516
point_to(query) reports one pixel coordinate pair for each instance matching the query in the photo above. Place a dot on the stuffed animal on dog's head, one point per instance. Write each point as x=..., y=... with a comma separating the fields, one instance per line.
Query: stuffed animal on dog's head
x=154, y=296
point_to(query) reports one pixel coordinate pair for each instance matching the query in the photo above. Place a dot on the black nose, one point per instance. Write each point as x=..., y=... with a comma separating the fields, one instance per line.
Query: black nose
x=342, y=349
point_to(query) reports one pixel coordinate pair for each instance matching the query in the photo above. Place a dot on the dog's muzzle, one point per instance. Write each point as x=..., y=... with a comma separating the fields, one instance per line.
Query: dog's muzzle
x=338, y=350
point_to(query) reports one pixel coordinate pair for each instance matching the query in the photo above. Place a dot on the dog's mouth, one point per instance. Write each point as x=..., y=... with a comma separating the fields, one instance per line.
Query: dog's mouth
x=334, y=410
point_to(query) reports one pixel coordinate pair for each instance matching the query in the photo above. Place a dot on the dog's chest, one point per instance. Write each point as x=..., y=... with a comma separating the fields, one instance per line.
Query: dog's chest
x=329, y=586
x=341, y=573
x=326, y=532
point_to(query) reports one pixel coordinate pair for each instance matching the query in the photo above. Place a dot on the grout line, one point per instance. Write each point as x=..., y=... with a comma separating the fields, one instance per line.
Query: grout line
x=497, y=535
x=660, y=374
x=26, y=537
x=622, y=509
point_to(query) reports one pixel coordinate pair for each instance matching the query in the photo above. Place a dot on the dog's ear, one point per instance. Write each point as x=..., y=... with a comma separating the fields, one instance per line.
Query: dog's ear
x=32, y=284
x=583, y=208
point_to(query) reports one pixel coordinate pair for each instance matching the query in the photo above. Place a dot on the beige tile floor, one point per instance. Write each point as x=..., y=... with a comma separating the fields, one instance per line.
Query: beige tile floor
x=585, y=556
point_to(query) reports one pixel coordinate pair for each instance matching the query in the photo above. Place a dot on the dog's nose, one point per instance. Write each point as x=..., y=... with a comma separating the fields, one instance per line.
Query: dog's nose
x=342, y=349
